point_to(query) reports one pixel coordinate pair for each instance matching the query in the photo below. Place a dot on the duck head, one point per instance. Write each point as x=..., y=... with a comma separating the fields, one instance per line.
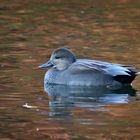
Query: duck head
x=60, y=59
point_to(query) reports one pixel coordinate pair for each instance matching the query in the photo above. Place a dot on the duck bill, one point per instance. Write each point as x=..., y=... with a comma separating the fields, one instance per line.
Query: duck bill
x=46, y=65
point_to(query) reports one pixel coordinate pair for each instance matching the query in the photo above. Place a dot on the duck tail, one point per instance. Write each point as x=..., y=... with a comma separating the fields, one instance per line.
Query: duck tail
x=137, y=73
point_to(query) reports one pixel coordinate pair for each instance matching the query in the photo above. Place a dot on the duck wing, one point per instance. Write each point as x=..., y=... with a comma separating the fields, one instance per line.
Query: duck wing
x=86, y=65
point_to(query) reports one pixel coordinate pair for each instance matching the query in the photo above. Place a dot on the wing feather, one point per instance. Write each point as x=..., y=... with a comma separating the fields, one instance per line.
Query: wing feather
x=85, y=65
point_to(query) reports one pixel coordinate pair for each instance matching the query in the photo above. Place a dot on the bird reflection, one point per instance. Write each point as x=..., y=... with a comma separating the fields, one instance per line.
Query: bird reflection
x=68, y=97
x=95, y=92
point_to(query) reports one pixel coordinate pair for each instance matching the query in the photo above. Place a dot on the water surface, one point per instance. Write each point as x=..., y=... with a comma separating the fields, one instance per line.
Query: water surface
x=103, y=30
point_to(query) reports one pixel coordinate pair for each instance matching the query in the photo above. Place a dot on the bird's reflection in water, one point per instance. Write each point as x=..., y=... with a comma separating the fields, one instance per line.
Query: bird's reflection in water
x=66, y=98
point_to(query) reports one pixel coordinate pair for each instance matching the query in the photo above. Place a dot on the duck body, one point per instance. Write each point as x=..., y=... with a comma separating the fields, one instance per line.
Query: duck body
x=65, y=69
x=78, y=73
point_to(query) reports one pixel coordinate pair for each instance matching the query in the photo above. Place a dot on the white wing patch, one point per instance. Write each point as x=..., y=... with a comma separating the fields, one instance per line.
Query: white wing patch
x=115, y=70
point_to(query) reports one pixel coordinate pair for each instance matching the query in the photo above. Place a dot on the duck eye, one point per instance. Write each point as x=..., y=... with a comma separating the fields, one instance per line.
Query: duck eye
x=57, y=57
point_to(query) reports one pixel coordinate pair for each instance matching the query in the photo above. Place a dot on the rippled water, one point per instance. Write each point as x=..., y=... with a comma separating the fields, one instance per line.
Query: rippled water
x=102, y=30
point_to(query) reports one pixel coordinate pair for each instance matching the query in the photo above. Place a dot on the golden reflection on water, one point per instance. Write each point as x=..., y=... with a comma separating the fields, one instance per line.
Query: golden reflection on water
x=30, y=30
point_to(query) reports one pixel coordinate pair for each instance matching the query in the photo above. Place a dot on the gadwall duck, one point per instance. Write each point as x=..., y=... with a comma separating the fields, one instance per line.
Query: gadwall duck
x=65, y=69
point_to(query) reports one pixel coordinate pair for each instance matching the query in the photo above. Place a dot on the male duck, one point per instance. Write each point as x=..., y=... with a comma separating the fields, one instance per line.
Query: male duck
x=65, y=69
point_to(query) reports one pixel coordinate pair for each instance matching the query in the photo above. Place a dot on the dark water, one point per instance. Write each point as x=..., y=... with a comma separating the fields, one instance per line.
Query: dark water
x=103, y=30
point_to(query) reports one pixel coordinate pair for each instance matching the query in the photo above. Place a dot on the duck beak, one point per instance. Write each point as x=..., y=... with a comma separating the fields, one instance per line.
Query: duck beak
x=46, y=65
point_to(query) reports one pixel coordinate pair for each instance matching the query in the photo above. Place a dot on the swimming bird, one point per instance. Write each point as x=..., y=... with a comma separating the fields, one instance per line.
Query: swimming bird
x=65, y=69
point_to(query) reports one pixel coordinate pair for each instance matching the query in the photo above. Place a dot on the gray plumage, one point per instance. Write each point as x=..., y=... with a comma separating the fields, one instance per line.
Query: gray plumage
x=65, y=69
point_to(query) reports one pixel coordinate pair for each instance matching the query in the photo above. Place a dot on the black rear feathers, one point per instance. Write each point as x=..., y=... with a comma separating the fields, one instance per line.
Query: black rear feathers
x=125, y=79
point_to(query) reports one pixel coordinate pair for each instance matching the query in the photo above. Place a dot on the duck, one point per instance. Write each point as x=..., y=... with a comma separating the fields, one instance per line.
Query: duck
x=65, y=69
